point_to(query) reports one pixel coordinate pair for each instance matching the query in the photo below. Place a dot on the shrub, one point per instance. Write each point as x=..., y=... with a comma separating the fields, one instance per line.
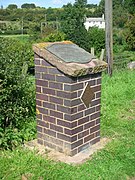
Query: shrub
x=13, y=32
x=17, y=95
x=119, y=40
x=130, y=35
x=53, y=37
x=96, y=39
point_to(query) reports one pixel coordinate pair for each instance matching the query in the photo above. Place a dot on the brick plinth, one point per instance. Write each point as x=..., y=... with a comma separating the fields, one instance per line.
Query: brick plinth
x=64, y=123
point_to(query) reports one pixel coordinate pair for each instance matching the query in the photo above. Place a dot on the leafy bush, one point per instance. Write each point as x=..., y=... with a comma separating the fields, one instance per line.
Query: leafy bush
x=25, y=45
x=96, y=39
x=17, y=95
x=53, y=37
x=119, y=40
x=13, y=32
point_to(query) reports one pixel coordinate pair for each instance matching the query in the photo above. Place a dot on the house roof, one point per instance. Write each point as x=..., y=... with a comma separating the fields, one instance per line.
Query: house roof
x=95, y=19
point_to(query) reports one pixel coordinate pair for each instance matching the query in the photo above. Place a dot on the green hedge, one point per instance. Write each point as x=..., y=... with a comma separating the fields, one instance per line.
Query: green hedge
x=17, y=94
x=96, y=39
x=13, y=32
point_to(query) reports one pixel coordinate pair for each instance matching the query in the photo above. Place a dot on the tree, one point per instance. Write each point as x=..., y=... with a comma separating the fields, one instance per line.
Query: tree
x=73, y=23
x=91, y=6
x=130, y=5
x=96, y=39
x=115, y=3
x=121, y=10
x=28, y=6
x=126, y=4
x=102, y=6
x=12, y=6
x=130, y=34
x=120, y=17
x=81, y=3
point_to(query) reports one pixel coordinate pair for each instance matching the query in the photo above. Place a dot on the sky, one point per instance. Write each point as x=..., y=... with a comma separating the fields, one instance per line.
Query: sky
x=43, y=3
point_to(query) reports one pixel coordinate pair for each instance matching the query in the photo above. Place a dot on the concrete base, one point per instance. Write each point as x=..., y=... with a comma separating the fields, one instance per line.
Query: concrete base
x=57, y=156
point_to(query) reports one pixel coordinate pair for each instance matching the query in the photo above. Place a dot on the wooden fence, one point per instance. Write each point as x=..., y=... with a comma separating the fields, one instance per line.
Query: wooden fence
x=120, y=61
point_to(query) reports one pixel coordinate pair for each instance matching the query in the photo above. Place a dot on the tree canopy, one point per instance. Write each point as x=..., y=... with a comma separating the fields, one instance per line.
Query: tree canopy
x=28, y=6
x=73, y=22
x=12, y=6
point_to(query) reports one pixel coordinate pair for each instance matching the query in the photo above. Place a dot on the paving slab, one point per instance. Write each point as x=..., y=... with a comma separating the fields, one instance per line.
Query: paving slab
x=57, y=156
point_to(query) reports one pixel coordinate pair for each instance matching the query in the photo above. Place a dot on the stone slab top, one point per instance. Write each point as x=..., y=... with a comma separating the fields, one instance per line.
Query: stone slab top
x=69, y=58
x=70, y=53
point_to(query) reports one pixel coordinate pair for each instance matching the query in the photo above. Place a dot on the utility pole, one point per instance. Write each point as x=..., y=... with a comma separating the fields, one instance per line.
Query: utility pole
x=109, y=35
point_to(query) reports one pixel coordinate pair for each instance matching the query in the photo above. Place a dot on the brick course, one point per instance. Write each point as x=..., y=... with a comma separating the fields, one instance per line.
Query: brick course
x=64, y=123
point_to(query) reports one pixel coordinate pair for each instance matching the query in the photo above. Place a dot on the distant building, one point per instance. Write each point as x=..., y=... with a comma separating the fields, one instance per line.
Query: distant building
x=95, y=22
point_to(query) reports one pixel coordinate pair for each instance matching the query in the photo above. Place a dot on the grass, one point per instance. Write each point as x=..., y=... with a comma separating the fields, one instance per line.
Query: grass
x=115, y=162
x=23, y=38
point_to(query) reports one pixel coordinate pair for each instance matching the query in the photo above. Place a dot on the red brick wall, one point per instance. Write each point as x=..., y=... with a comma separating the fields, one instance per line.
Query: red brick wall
x=64, y=123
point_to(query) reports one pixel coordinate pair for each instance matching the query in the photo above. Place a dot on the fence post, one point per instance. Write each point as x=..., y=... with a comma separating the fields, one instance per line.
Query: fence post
x=92, y=51
x=102, y=55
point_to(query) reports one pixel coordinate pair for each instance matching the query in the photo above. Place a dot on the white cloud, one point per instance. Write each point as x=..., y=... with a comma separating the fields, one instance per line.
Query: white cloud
x=61, y=2
x=58, y=2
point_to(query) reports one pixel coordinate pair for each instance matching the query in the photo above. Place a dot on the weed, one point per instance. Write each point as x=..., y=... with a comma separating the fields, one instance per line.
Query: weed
x=115, y=162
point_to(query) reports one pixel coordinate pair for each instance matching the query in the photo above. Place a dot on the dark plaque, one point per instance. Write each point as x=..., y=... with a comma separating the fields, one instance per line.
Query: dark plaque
x=70, y=53
x=87, y=95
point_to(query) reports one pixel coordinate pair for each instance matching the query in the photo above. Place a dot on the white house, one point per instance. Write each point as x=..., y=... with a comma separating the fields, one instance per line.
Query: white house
x=97, y=22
